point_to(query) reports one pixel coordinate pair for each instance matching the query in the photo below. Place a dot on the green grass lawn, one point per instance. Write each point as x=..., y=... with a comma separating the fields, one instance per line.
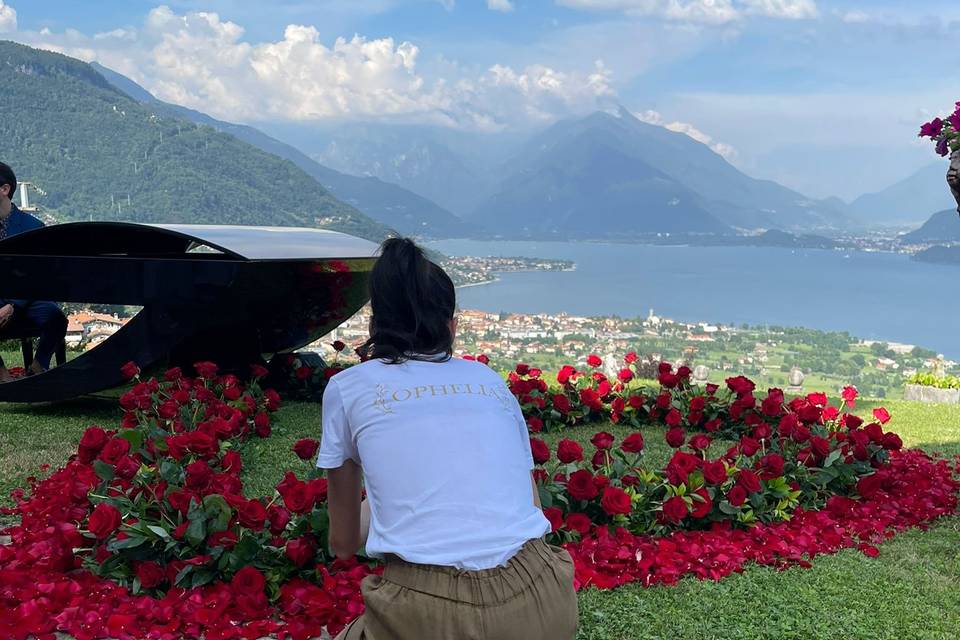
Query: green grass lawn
x=911, y=591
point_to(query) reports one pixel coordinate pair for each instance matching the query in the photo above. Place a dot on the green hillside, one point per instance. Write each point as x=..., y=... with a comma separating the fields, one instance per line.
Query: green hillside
x=100, y=155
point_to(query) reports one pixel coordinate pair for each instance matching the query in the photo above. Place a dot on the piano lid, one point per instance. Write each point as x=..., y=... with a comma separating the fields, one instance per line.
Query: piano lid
x=226, y=242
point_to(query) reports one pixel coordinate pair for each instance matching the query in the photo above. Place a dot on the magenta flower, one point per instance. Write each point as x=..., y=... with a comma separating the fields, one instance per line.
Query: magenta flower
x=931, y=129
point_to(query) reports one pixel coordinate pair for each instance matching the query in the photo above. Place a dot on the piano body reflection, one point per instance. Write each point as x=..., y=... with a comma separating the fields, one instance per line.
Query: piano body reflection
x=228, y=294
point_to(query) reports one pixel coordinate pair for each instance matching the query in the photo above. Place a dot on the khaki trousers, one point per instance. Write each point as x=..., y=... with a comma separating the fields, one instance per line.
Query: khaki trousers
x=532, y=598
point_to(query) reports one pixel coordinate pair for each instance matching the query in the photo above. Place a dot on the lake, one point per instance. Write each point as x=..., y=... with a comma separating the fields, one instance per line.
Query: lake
x=878, y=296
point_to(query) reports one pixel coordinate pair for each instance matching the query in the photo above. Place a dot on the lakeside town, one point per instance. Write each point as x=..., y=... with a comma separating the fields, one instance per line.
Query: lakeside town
x=774, y=356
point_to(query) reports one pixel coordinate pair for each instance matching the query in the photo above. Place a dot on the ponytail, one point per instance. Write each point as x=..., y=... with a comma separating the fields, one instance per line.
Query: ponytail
x=413, y=302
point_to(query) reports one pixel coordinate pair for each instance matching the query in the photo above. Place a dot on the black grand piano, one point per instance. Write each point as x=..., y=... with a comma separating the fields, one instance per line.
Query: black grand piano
x=228, y=294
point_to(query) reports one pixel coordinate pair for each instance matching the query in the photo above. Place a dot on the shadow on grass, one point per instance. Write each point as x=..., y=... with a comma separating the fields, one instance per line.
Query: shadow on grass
x=940, y=449
x=91, y=407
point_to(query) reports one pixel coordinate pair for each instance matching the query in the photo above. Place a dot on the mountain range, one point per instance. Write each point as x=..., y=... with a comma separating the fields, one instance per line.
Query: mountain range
x=943, y=227
x=99, y=154
x=908, y=201
x=624, y=175
x=103, y=146
x=405, y=211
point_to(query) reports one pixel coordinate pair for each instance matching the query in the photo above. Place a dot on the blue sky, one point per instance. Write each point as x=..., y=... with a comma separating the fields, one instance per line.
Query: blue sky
x=824, y=96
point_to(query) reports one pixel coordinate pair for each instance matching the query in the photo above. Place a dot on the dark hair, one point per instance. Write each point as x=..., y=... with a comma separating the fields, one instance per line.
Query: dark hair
x=8, y=177
x=413, y=302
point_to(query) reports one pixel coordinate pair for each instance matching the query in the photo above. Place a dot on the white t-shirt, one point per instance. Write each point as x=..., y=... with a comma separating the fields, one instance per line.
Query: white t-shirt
x=446, y=460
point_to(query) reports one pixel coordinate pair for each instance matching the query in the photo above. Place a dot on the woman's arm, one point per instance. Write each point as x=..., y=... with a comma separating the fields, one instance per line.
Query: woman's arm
x=347, y=526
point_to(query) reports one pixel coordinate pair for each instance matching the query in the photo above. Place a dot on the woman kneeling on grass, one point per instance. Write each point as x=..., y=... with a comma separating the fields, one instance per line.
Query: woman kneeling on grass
x=443, y=450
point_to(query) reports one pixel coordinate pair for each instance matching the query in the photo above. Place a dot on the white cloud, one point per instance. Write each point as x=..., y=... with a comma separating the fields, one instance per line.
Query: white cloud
x=787, y=9
x=500, y=5
x=705, y=11
x=204, y=62
x=727, y=151
x=8, y=18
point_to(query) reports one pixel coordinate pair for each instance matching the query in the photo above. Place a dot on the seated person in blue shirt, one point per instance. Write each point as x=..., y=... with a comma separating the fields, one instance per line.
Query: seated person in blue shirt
x=17, y=315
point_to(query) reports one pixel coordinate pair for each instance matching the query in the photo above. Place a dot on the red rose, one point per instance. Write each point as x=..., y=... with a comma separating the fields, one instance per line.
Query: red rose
x=92, y=441
x=676, y=437
x=629, y=480
x=703, y=507
x=715, y=472
x=580, y=485
x=297, y=496
x=252, y=514
x=302, y=373
x=179, y=532
x=600, y=458
x=675, y=509
x=261, y=424
x=673, y=418
x=540, y=450
x=231, y=462
x=633, y=443
x=180, y=500
x=849, y=395
x=630, y=358
x=594, y=360
x=772, y=405
x=150, y=574
x=115, y=449
x=698, y=403
x=748, y=480
x=279, y=518
x=579, y=522
x=748, y=446
x=318, y=486
x=740, y=385
x=104, y=520
x=615, y=501
x=566, y=372
x=555, y=516
x=684, y=371
x=203, y=444
x=130, y=370
x=257, y=371
x=534, y=424
x=225, y=539
x=561, y=403
x=664, y=400
x=892, y=442
x=700, y=442
x=569, y=451
x=625, y=375
x=882, y=415
x=820, y=446
x=248, y=581
x=126, y=467
x=712, y=426
x=206, y=370
x=602, y=440
x=522, y=369
x=338, y=345
x=199, y=475
x=306, y=448
x=737, y=496
x=272, y=399
x=301, y=550
x=771, y=466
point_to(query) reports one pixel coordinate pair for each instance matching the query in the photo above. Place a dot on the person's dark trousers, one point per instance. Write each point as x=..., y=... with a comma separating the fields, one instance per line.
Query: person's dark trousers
x=45, y=316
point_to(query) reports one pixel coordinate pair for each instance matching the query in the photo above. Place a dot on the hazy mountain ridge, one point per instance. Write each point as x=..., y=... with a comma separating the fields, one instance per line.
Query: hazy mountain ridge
x=387, y=203
x=715, y=195
x=100, y=154
x=908, y=201
x=942, y=227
